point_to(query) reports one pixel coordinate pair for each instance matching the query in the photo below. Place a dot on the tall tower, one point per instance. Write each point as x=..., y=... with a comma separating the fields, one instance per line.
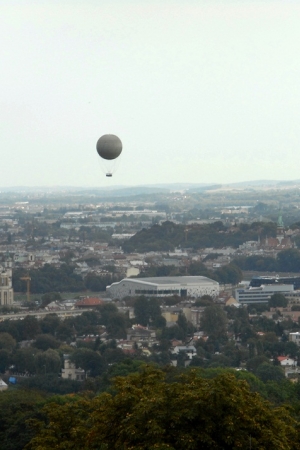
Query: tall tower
x=6, y=289
x=280, y=228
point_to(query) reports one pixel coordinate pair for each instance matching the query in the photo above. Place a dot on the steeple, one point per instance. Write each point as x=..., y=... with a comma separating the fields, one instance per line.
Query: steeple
x=280, y=223
x=280, y=227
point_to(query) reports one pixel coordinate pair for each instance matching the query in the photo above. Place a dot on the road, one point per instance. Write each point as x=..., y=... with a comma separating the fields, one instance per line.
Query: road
x=40, y=314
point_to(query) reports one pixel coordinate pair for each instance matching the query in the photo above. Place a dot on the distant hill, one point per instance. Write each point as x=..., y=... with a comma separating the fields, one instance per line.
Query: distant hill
x=168, y=236
x=164, y=188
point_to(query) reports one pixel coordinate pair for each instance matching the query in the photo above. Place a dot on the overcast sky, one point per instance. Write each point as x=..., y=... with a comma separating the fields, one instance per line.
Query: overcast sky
x=198, y=91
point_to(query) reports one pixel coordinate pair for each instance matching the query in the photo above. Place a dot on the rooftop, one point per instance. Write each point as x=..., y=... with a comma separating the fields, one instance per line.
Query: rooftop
x=173, y=280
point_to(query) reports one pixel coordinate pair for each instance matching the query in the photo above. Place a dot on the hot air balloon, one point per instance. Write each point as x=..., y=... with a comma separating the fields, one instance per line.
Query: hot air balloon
x=109, y=148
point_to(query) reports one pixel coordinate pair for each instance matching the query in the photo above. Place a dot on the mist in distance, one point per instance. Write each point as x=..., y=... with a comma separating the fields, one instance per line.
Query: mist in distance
x=198, y=92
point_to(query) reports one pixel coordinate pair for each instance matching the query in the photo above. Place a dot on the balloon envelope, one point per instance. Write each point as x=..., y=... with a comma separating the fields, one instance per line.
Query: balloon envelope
x=109, y=146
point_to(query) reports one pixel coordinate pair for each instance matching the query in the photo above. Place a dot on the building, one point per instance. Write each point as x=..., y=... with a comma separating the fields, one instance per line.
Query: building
x=295, y=337
x=69, y=372
x=282, y=240
x=89, y=302
x=261, y=294
x=189, y=350
x=188, y=286
x=267, y=280
x=140, y=334
x=6, y=289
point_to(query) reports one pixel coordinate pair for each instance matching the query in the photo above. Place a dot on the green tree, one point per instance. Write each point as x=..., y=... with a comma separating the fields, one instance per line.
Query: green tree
x=7, y=342
x=214, y=322
x=116, y=326
x=88, y=360
x=147, y=311
x=291, y=349
x=268, y=372
x=106, y=311
x=45, y=341
x=24, y=360
x=278, y=300
x=48, y=362
x=30, y=327
x=253, y=363
x=4, y=360
x=50, y=323
x=17, y=406
x=146, y=413
x=289, y=260
x=141, y=311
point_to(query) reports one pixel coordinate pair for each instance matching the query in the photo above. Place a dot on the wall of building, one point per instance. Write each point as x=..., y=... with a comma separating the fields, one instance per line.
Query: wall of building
x=131, y=287
x=6, y=290
x=261, y=294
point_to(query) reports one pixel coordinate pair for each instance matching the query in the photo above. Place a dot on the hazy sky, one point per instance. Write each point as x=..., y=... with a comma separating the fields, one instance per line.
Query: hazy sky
x=198, y=91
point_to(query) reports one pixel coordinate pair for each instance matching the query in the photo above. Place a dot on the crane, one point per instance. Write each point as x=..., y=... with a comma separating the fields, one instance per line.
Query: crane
x=27, y=279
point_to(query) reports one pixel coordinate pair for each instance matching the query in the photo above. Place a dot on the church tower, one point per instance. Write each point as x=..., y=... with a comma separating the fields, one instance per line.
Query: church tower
x=280, y=228
x=6, y=289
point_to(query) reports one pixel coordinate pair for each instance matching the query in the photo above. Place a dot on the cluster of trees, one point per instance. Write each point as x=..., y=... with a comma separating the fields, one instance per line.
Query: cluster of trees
x=147, y=312
x=256, y=352
x=51, y=336
x=206, y=407
x=34, y=413
x=287, y=261
x=167, y=236
x=228, y=274
x=63, y=279
x=36, y=232
x=153, y=409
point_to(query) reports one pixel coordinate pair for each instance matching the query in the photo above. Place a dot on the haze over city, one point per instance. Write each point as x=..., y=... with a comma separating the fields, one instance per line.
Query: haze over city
x=204, y=91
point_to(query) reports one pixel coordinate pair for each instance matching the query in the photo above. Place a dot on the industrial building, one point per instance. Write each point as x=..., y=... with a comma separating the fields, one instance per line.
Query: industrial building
x=262, y=294
x=189, y=286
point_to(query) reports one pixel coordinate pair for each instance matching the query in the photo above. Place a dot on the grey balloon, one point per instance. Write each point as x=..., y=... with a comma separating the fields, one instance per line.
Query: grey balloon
x=109, y=146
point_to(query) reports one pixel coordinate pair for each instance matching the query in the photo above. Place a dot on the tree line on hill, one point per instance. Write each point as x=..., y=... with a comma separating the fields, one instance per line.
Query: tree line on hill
x=286, y=261
x=63, y=279
x=228, y=274
x=168, y=236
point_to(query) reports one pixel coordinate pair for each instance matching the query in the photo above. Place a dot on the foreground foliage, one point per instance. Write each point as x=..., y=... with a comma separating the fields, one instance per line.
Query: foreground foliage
x=149, y=411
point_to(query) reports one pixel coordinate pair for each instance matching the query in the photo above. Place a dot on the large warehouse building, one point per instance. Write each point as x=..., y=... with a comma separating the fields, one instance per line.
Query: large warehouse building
x=162, y=286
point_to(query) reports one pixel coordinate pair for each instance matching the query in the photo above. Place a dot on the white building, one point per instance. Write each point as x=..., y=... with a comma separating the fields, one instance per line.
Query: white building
x=70, y=372
x=189, y=350
x=3, y=385
x=189, y=286
x=262, y=294
x=295, y=337
x=22, y=257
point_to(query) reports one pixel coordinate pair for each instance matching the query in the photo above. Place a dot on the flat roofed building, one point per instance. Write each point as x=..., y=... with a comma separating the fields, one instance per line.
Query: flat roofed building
x=189, y=286
x=258, y=281
x=261, y=294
